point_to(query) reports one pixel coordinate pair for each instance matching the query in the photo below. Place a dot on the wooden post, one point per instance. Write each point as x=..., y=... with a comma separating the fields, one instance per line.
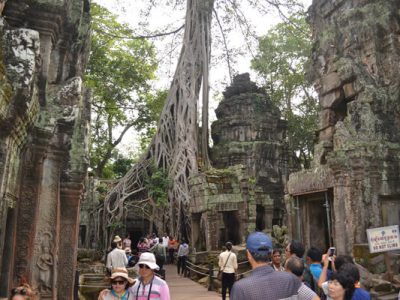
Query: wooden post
x=210, y=276
x=389, y=272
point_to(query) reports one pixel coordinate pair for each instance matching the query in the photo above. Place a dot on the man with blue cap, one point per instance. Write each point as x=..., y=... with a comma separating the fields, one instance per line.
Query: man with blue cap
x=264, y=282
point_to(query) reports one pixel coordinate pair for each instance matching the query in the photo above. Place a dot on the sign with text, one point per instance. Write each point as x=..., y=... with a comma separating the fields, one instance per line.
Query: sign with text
x=383, y=239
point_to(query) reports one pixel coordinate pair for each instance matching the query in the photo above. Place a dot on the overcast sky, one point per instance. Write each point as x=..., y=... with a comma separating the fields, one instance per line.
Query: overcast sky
x=129, y=11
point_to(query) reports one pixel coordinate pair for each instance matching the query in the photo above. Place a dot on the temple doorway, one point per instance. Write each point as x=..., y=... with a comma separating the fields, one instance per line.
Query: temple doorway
x=316, y=219
x=231, y=228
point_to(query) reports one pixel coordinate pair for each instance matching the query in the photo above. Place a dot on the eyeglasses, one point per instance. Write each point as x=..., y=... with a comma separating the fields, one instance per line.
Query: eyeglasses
x=120, y=282
x=18, y=291
x=141, y=266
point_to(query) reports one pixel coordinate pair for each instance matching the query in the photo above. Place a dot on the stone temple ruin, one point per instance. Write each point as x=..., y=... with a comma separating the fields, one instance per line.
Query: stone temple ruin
x=44, y=121
x=354, y=181
x=44, y=114
x=245, y=190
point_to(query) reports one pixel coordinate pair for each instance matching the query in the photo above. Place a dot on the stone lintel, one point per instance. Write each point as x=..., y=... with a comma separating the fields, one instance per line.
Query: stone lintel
x=329, y=83
x=309, y=181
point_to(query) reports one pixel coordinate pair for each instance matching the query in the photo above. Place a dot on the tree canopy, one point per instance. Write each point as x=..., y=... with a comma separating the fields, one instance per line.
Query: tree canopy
x=118, y=72
x=281, y=61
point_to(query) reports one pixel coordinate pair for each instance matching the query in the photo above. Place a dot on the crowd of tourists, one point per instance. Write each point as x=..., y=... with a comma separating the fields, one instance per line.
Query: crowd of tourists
x=310, y=275
x=317, y=276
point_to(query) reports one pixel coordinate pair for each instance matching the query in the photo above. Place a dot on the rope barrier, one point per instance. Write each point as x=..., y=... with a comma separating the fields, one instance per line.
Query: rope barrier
x=197, y=272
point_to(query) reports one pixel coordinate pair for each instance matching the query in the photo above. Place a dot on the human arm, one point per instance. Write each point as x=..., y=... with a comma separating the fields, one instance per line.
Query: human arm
x=164, y=292
x=324, y=273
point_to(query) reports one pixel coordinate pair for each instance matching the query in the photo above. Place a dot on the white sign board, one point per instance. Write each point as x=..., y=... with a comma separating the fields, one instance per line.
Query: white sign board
x=383, y=239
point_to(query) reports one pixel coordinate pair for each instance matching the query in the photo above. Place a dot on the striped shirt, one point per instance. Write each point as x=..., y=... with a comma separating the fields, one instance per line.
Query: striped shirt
x=265, y=283
x=158, y=289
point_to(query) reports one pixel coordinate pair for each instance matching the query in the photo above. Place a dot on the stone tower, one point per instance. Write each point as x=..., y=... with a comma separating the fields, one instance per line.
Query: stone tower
x=44, y=122
x=354, y=182
x=245, y=190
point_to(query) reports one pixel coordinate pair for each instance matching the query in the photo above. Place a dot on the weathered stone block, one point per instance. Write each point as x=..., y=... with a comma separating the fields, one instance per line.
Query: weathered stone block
x=330, y=82
x=331, y=99
x=349, y=91
x=327, y=117
x=326, y=134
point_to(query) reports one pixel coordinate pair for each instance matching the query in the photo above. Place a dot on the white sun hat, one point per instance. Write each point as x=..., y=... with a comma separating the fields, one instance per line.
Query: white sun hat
x=147, y=259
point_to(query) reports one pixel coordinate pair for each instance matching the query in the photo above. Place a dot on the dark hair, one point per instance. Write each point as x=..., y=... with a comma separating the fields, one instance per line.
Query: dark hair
x=260, y=257
x=350, y=269
x=228, y=246
x=276, y=250
x=346, y=281
x=340, y=260
x=296, y=248
x=160, y=240
x=295, y=265
x=314, y=254
x=113, y=245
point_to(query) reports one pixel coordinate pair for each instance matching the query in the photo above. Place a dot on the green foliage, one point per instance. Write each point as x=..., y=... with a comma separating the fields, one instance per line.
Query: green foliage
x=280, y=236
x=281, y=59
x=118, y=73
x=157, y=185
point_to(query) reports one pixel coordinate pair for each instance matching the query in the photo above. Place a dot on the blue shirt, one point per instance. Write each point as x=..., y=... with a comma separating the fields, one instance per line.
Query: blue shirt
x=360, y=294
x=316, y=270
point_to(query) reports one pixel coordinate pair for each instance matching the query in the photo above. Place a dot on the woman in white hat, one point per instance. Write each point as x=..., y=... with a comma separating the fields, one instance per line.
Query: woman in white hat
x=149, y=286
x=120, y=282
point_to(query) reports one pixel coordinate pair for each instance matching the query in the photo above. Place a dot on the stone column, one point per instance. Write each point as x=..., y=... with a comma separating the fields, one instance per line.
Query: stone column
x=70, y=201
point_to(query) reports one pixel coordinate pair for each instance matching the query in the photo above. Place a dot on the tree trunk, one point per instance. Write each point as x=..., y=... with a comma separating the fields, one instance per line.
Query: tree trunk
x=175, y=145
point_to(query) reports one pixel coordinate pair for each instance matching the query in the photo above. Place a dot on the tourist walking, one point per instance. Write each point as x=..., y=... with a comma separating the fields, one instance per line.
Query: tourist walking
x=295, y=266
x=143, y=246
x=183, y=252
x=172, y=246
x=120, y=282
x=126, y=243
x=263, y=282
x=276, y=260
x=148, y=285
x=117, y=257
x=228, y=266
x=160, y=252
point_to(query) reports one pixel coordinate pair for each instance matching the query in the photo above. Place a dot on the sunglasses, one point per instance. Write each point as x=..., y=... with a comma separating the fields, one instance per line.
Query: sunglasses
x=120, y=282
x=18, y=291
x=141, y=266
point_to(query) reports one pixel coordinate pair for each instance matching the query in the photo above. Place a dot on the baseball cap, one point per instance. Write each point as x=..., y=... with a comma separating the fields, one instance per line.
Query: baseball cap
x=259, y=242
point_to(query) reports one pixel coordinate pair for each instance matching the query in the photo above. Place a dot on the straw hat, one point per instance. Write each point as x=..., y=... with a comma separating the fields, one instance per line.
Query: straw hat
x=149, y=260
x=121, y=272
x=117, y=239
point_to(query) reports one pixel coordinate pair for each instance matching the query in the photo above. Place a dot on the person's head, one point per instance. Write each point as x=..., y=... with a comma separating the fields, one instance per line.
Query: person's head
x=341, y=286
x=228, y=246
x=276, y=257
x=160, y=240
x=23, y=292
x=294, y=248
x=142, y=240
x=127, y=236
x=340, y=260
x=314, y=255
x=295, y=266
x=351, y=270
x=259, y=247
x=118, y=240
x=147, y=265
x=120, y=280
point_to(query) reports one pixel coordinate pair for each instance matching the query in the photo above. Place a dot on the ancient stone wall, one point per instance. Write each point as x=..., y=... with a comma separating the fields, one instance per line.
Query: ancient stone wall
x=355, y=70
x=249, y=131
x=44, y=119
x=249, y=158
